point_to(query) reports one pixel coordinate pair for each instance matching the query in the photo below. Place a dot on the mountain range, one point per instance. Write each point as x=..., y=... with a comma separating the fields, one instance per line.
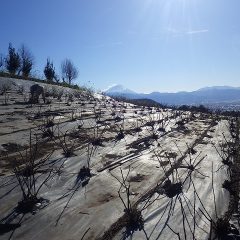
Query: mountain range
x=205, y=96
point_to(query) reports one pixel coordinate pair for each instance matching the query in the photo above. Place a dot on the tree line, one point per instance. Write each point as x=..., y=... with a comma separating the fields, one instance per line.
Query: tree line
x=21, y=62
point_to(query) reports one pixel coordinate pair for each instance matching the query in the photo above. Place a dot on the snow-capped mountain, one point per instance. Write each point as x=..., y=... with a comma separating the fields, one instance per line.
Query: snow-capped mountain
x=118, y=90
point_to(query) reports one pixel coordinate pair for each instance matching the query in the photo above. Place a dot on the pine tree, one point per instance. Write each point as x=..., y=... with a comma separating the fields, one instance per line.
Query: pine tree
x=13, y=61
x=1, y=61
x=26, y=67
x=26, y=61
x=49, y=71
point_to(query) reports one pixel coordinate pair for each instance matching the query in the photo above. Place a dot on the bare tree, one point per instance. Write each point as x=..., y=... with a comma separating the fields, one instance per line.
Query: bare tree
x=27, y=61
x=69, y=71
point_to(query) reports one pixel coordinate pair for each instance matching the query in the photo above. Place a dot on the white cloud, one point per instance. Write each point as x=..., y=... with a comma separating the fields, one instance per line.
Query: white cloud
x=197, y=31
x=177, y=32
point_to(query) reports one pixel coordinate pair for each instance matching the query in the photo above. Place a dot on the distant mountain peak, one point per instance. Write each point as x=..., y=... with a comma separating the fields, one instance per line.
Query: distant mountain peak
x=119, y=89
x=217, y=88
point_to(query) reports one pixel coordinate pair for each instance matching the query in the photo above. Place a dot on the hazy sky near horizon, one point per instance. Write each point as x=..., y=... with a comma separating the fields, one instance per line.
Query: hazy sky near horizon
x=145, y=45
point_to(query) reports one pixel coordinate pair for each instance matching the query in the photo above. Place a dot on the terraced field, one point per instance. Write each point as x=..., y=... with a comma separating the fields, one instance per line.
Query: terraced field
x=85, y=166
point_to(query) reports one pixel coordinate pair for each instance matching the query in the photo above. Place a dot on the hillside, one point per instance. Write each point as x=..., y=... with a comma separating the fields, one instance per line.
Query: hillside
x=85, y=166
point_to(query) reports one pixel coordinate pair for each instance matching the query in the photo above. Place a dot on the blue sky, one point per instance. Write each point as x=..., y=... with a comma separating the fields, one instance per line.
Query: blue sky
x=145, y=45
